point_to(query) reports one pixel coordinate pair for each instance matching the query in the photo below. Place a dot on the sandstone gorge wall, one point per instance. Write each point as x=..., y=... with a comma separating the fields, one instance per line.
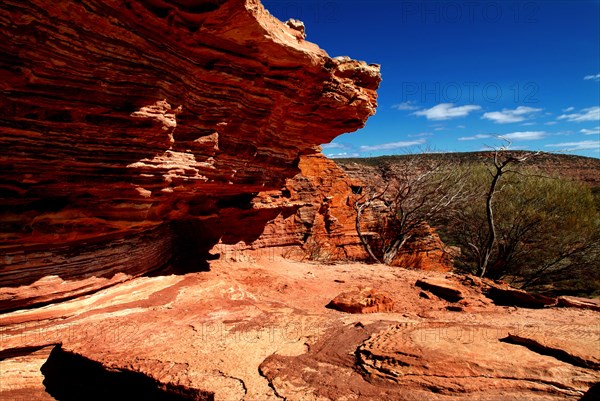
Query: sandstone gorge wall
x=316, y=221
x=317, y=218
x=130, y=128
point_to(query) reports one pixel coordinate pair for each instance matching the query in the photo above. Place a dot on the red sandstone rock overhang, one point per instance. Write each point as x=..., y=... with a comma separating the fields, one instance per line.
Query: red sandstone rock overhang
x=119, y=115
x=137, y=100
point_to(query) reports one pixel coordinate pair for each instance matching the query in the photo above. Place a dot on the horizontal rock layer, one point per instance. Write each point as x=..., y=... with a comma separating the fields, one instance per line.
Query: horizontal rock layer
x=119, y=116
x=37, y=274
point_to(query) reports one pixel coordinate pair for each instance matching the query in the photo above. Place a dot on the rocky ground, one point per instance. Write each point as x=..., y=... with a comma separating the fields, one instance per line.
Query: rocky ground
x=268, y=330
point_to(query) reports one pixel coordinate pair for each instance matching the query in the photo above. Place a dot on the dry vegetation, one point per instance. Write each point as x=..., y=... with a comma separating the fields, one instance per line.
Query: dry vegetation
x=530, y=219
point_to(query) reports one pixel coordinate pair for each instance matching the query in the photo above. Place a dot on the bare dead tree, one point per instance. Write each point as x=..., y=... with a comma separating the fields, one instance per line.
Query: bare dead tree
x=360, y=205
x=414, y=192
x=501, y=162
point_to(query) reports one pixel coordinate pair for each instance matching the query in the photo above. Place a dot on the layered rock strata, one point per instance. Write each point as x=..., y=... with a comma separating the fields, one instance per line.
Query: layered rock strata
x=122, y=116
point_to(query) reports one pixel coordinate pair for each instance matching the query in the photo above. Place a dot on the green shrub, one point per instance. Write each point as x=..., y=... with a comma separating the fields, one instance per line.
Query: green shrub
x=547, y=232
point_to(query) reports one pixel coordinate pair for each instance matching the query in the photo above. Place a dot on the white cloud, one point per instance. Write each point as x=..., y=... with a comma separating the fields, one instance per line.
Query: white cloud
x=461, y=126
x=568, y=109
x=405, y=106
x=392, y=145
x=593, y=131
x=588, y=114
x=446, y=111
x=506, y=116
x=474, y=137
x=342, y=154
x=419, y=135
x=592, y=77
x=525, y=135
x=333, y=146
x=551, y=123
x=572, y=146
x=527, y=124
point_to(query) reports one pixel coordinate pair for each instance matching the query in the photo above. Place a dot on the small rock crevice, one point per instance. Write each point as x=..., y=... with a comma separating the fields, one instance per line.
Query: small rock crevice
x=559, y=354
x=264, y=375
x=242, y=383
x=72, y=377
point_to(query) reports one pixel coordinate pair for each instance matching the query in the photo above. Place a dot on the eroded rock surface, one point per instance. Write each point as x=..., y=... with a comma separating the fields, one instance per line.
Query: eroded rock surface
x=315, y=218
x=362, y=300
x=247, y=331
x=578, y=302
x=452, y=359
x=442, y=288
x=503, y=294
x=21, y=377
x=119, y=117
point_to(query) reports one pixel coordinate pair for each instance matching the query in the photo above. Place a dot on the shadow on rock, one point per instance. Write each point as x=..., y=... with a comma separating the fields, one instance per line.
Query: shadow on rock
x=71, y=377
x=592, y=394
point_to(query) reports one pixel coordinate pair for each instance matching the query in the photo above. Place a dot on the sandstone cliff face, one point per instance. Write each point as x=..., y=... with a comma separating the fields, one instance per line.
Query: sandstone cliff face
x=320, y=222
x=121, y=116
x=316, y=221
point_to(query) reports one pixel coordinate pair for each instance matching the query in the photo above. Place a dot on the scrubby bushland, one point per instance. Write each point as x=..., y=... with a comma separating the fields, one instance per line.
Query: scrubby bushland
x=410, y=194
x=546, y=232
x=510, y=214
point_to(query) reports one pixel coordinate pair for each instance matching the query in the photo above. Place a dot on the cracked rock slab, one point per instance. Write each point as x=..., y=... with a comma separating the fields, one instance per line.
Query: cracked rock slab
x=573, y=346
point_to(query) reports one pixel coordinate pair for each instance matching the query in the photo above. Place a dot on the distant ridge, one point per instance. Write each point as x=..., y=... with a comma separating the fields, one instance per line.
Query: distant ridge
x=579, y=168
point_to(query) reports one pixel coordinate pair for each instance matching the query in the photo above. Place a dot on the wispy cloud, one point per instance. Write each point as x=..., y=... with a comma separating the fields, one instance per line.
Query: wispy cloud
x=420, y=135
x=573, y=146
x=474, y=137
x=333, y=146
x=342, y=154
x=550, y=123
x=446, y=111
x=592, y=77
x=409, y=105
x=593, y=131
x=506, y=116
x=568, y=109
x=392, y=145
x=525, y=135
x=587, y=114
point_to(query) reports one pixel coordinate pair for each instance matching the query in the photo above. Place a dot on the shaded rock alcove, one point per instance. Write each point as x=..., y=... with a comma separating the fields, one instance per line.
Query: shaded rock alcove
x=72, y=377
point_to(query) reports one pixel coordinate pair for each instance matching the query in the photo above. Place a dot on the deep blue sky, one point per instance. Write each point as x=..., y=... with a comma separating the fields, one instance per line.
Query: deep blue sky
x=456, y=74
